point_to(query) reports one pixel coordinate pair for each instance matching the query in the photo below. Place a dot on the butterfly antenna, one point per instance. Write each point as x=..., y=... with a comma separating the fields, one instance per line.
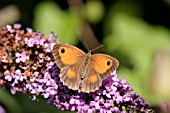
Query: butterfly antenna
x=86, y=45
x=97, y=47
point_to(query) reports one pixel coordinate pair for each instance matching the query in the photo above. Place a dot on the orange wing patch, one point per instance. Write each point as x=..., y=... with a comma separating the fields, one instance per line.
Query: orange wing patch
x=71, y=74
x=68, y=55
x=102, y=64
x=92, y=78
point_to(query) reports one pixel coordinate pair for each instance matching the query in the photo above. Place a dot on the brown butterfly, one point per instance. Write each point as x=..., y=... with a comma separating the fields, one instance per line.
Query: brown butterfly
x=82, y=71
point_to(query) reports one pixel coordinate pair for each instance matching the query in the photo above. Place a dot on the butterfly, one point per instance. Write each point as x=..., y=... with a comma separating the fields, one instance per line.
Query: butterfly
x=81, y=71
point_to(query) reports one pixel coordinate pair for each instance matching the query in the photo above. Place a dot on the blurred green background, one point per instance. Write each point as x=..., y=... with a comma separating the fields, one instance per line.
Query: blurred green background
x=136, y=32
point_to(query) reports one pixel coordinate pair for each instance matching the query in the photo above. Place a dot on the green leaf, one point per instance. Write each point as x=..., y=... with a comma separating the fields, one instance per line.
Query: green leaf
x=66, y=24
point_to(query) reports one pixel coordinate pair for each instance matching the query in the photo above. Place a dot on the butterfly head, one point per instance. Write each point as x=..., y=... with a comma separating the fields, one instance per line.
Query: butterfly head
x=88, y=55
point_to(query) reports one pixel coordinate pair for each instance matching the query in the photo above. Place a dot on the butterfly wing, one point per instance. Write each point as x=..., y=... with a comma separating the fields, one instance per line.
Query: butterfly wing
x=91, y=81
x=70, y=77
x=65, y=54
x=104, y=64
x=69, y=59
x=100, y=67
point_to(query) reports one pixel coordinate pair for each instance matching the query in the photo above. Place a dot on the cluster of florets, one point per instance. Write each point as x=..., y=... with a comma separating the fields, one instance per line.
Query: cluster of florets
x=27, y=66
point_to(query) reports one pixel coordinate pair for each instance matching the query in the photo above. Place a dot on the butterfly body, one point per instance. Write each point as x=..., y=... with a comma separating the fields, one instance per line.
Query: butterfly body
x=82, y=71
x=84, y=67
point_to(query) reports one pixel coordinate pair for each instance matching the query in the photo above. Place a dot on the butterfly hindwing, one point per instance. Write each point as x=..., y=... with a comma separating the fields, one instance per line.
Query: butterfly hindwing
x=70, y=77
x=91, y=81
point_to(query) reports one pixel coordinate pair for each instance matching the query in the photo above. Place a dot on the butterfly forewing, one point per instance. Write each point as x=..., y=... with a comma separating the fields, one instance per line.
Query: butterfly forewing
x=65, y=54
x=104, y=64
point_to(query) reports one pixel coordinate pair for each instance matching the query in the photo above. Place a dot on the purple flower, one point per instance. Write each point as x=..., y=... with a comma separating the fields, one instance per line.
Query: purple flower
x=48, y=80
x=115, y=109
x=29, y=30
x=33, y=70
x=21, y=57
x=117, y=97
x=17, y=26
x=9, y=28
x=17, y=38
x=8, y=76
x=42, y=41
x=108, y=103
x=29, y=42
x=2, y=110
x=4, y=59
x=17, y=76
